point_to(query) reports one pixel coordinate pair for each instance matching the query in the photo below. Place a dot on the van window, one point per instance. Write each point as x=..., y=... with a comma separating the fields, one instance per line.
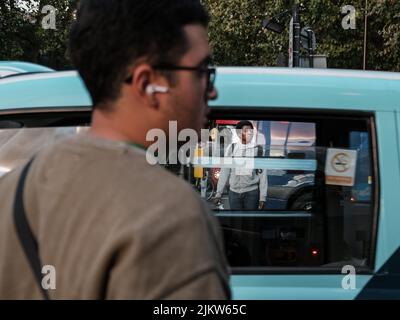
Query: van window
x=318, y=184
x=19, y=145
x=319, y=178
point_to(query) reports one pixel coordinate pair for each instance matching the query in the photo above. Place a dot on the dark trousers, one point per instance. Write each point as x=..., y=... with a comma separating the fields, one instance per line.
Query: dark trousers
x=244, y=201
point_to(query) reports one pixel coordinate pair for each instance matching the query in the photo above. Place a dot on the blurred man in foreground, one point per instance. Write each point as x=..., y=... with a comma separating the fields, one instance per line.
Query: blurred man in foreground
x=111, y=225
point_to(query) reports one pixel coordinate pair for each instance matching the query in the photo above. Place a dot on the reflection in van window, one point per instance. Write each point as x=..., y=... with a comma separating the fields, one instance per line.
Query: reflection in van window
x=17, y=146
x=289, y=193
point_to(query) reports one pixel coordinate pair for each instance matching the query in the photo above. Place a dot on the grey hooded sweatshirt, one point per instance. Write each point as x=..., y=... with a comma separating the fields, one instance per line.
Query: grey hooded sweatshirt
x=243, y=179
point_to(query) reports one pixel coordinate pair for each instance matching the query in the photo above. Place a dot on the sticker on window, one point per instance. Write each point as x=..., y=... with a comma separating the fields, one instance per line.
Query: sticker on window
x=340, y=167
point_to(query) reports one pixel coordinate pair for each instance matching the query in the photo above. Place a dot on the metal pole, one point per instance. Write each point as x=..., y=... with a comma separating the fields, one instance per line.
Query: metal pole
x=365, y=35
x=310, y=34
x=288, y=129
x=296, y=36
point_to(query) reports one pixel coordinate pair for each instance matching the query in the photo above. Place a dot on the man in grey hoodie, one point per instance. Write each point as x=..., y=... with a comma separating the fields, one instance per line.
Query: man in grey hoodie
x=247, y=186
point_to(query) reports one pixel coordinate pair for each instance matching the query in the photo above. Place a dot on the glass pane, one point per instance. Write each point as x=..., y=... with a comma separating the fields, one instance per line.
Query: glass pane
x=19, y=145
x=318, y=205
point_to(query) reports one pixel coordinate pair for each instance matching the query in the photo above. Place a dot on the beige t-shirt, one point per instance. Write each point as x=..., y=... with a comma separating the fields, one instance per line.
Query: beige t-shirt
x=112, y=226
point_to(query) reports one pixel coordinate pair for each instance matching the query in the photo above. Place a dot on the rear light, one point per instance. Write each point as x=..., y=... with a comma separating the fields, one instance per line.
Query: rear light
x=314, y=253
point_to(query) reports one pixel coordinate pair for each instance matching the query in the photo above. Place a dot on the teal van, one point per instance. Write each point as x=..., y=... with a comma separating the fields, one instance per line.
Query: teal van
x=15, y=67
x=330, y=141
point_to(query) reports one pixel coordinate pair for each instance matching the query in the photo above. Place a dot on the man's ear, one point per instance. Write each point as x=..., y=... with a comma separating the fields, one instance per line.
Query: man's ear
x=147, y=85
x=141, y=78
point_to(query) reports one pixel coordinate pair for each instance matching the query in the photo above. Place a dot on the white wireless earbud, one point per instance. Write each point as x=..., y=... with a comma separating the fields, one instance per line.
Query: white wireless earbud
x=151, y=89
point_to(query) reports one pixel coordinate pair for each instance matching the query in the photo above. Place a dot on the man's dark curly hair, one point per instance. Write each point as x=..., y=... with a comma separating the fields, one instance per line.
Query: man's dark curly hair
x=243, y=123
x=110, y=35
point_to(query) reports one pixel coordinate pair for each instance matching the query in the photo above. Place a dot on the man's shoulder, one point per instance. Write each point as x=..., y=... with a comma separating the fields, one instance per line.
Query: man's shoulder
x=120, y=169
x=86, y=150
x=165, y=185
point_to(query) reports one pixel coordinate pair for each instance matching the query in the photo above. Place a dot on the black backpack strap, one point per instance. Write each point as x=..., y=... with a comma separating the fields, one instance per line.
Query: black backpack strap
x=232, y=150
x=24, y=232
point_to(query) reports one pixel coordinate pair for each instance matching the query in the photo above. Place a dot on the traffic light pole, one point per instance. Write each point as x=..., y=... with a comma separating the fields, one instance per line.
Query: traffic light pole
x=310, y=34
x=296, y=35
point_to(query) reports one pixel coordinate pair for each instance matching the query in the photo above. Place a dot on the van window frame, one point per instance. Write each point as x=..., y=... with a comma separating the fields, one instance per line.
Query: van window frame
x=302, y=114
x=74, y=116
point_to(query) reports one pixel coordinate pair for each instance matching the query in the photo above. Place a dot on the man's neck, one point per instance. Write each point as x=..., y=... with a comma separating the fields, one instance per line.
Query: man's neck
x=109, y=129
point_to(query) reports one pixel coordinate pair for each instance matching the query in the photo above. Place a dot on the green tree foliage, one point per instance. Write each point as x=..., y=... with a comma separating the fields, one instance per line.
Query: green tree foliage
x=23, y=38
x=236, y=32
x=384, y=36
x=238, y=39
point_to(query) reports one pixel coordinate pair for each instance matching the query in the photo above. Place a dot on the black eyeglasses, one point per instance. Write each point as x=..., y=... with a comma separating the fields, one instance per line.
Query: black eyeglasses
x=201, y=70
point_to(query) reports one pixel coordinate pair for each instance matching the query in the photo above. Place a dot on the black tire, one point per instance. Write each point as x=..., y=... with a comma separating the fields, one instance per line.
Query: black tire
x=304, y=202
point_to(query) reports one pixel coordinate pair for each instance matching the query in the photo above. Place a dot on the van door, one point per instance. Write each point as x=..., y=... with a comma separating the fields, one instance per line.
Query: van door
x=315, y=236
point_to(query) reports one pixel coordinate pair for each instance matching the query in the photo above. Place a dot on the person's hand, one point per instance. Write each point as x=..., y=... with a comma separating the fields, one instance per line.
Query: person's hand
x=216, y=200
x=261, y=205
